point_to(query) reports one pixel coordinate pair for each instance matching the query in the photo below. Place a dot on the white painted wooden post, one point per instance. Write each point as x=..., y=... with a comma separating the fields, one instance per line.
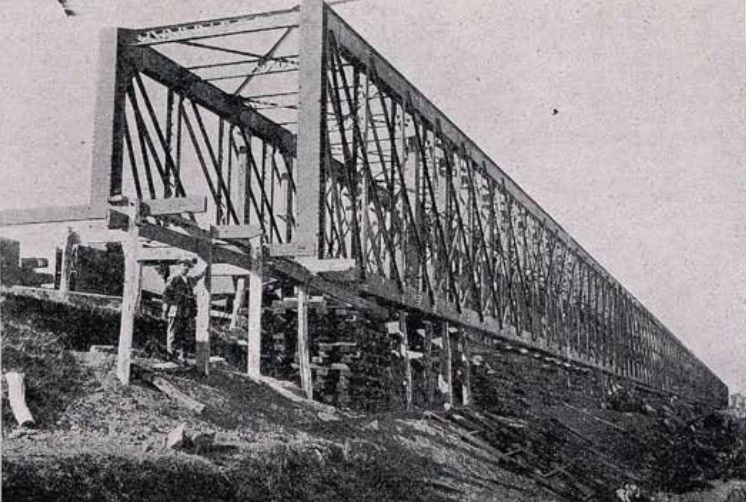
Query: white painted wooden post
x=130, y=294
x=254, y=331
x=238, y=301
x=202, y=292
x=304, y=360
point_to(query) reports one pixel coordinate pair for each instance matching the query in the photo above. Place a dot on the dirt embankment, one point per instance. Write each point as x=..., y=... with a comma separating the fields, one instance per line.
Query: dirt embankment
x=97, y=440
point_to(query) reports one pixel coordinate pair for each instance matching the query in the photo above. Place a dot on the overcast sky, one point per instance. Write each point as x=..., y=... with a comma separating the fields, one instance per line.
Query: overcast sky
x=643, y=164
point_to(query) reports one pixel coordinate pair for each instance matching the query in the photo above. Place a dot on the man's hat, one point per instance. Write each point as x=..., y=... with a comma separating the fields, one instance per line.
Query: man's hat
x=186, y=261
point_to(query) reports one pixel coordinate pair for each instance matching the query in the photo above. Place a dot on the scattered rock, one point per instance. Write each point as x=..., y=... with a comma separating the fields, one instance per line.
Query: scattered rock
x=649, y=410
x=176, y=438
x=327, y=417
x=203, y=441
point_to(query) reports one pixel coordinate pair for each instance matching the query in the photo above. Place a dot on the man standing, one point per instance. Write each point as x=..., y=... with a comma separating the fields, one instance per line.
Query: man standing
x=179, y=306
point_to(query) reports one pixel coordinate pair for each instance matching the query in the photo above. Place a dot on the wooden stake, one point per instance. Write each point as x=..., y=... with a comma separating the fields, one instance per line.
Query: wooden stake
x=303, y=356
x=238, y=301
x=429, y=383
x=17, y=398
x=130, y=295
x=446, y=367
x=465, y=369
x=254, y=332
x=67, y=261
x=202, y=292
x=404, y=348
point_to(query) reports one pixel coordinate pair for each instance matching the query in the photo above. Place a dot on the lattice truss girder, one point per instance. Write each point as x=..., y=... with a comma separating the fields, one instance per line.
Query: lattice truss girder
x=212, y=109
x=415, y=206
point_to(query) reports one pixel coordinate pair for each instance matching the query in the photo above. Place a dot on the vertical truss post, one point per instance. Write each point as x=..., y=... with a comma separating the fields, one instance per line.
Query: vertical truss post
x=311, y=125
x=304, y=359
x=132, y=277
x=202, y=328
x=254, y=333
x=108, y=137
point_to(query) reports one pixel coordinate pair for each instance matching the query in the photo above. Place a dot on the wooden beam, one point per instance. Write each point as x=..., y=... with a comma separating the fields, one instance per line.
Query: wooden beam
x=174, y=205
x=304, y=359
x=298, y=273
x=236, y=232
x=316, y=265
x=48, y=214
x=311, y=123
x=291, y=249
x=107, y=151
x=162, y=69
x=130, y=297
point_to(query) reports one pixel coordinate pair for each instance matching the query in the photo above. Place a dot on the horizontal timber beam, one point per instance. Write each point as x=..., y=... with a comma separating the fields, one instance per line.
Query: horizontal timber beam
x=48, y=214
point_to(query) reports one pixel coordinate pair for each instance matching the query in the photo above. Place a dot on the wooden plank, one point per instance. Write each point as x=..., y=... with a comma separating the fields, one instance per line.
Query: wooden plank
x=130, y=297
x=304, y=360
x=291, y=249
x=47, y=214
x=191, y=243
x=237, y=231
x=174, y=205
x=254, y=330
x=178, y=396
x=160, y=254
x=17, y=398
x=316, y=265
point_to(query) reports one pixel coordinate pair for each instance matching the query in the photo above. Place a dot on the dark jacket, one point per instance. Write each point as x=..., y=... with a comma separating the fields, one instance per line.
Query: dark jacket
x=179, y=296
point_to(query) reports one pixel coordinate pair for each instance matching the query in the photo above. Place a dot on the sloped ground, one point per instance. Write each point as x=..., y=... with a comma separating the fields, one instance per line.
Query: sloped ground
x=97, y=440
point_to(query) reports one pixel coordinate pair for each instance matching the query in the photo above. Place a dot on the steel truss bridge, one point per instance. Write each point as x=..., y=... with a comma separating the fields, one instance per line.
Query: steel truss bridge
x=289, y=125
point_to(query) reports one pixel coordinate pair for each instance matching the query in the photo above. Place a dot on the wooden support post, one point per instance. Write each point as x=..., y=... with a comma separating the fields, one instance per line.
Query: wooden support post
x=202, y=293
x=254, y=333
x=465, y=368
x=71, y=241
x=446, y=368
x=17, y=398
x=238, y=301
x=428, y=374
x=304, y=360
x=130, y=295
x=404, y=349
x=311, y=124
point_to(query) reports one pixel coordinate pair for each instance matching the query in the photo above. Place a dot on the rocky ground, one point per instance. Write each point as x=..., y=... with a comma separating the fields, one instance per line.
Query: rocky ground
x=259, y=440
